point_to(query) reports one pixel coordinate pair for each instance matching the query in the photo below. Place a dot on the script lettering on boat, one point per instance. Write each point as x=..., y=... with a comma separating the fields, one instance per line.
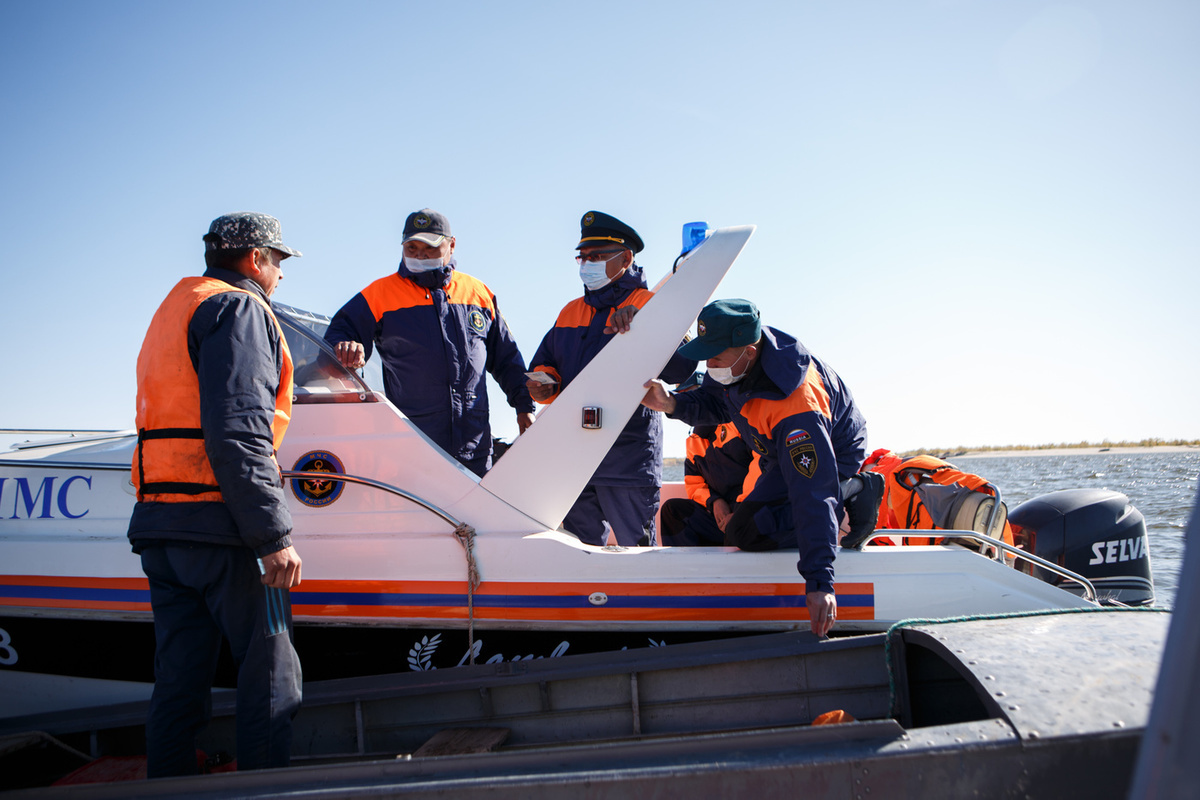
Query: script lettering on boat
x=420, y=655
x=1118, y=550
x=499, y=658
x=28, y=502
x=8, y=653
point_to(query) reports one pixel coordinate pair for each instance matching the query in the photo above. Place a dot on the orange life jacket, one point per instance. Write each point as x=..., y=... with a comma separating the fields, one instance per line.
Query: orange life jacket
x=169, y=462
x=902, y=506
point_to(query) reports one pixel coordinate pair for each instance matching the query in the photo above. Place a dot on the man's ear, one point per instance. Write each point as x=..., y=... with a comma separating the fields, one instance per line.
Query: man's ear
x=249, y=265
x=255, y=261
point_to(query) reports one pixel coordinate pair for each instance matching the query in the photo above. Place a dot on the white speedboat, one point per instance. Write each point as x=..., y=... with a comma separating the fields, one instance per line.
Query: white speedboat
x=412, y=562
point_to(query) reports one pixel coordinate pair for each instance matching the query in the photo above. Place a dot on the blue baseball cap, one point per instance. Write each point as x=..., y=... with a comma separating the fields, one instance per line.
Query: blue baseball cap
x=427, y=226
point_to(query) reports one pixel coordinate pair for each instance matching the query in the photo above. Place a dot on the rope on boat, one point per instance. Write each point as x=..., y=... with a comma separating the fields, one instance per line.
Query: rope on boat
x=466, y=537
x=909, y=623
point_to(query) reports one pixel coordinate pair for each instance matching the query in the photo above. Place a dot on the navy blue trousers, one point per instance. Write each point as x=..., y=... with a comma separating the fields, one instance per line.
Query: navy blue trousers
x=200, y=593
x=686, y=523
x=761, y=526
x=629, y=511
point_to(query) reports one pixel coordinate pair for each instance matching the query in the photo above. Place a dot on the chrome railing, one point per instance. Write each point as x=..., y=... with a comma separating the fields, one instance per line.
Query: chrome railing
x=387, y=487
x=1089, y=590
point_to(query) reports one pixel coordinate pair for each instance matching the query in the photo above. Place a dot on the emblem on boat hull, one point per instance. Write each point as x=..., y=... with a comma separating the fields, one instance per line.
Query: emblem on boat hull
x=315, y=491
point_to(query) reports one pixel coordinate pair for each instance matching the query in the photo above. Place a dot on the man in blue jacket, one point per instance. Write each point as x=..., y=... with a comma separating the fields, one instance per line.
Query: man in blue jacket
x=799, y=417
x=624, y=490
x=438, y=331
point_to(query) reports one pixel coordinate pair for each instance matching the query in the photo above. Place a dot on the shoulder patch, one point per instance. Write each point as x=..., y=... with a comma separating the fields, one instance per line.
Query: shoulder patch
x=796, y=436
x=804, y=459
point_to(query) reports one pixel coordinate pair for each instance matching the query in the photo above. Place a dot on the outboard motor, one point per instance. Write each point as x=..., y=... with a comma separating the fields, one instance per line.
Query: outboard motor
x=1094, y=532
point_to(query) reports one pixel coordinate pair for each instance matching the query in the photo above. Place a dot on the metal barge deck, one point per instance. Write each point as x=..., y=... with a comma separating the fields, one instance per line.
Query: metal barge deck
x=1045, y=705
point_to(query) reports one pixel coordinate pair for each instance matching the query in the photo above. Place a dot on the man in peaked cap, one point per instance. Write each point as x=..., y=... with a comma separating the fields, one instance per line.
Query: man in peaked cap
x=624, y=490
x=211, y=524
x=799, y=418
x=439, y=331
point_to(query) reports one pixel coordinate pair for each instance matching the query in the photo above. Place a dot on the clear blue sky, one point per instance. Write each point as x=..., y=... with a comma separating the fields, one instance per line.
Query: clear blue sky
x=985, y=216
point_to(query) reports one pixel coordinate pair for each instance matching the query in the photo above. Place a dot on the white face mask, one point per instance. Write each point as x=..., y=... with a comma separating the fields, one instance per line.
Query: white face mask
x=594, y=274
x=724, y=375
x=422, y=264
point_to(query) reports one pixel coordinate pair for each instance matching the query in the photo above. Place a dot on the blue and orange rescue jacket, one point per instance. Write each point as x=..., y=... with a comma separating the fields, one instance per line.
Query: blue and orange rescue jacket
x=795, y=412
x=635, y=459
x=719, y=465
x=438, y=334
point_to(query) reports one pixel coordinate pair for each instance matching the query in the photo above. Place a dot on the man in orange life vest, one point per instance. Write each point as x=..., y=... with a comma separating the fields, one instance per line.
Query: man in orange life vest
x=211, y=524
x=799, y=417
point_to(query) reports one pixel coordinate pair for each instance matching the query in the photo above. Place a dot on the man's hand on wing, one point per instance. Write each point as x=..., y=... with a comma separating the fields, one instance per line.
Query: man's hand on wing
x=658, y=396
x=621, y=319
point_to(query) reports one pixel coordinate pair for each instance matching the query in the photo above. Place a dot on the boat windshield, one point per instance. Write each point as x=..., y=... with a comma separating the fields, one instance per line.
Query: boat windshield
x=319, y=376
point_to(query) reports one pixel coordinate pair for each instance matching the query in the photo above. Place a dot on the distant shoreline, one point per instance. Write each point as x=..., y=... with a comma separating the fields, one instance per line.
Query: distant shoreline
x=1040, y=451
x=1075, y=451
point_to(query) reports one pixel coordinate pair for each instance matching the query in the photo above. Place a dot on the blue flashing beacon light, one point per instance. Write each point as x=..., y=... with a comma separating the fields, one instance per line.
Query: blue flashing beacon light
x=693, y=234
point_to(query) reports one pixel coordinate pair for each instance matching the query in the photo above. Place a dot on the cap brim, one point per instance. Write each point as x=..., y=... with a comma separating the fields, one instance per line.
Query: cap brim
x=283, y=248
x=431, y=239
x=700, y=350
x=593, y=241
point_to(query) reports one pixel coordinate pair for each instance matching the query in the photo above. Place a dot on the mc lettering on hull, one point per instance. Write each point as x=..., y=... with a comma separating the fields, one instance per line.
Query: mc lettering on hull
x=26, y=498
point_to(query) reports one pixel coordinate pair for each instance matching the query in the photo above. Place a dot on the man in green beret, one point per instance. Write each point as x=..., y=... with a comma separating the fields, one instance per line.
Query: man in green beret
x=801, y=420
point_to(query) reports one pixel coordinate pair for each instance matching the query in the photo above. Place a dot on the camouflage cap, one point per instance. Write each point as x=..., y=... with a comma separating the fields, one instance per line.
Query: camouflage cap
x=246, y=229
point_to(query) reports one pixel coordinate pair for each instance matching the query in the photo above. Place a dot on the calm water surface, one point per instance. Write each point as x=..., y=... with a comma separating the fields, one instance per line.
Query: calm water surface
x=1160, y=485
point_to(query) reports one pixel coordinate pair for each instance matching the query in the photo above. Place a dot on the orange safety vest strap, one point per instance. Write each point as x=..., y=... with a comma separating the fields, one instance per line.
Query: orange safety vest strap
x=169, y=487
